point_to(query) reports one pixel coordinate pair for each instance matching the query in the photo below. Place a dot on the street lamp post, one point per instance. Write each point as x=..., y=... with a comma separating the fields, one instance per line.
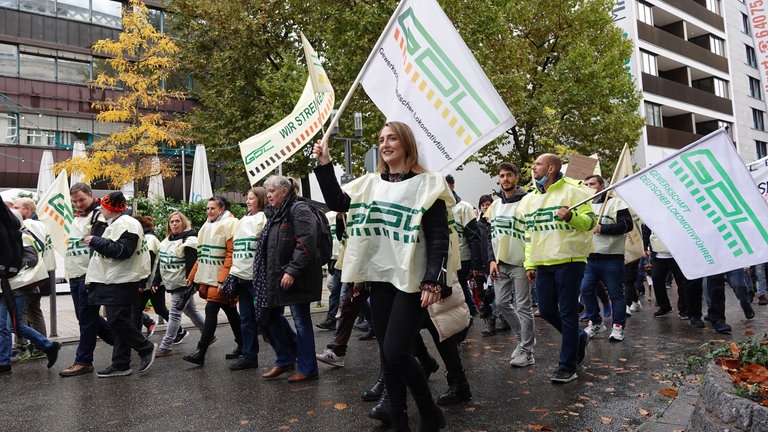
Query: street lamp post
x=348, y=176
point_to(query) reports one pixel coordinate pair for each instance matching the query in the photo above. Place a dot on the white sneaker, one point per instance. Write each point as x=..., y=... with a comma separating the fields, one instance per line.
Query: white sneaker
x=515, y=352
x=593, y=329
x=628, y=311
x=522, y=359
x=330, y=358
x=617, y=333
x=636, y=306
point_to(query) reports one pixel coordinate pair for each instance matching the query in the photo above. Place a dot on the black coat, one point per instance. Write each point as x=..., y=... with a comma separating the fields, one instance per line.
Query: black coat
x=292, y=249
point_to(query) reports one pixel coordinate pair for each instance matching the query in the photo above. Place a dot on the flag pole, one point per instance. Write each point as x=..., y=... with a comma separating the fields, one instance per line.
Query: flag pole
x=348, y=97
x=613, y=180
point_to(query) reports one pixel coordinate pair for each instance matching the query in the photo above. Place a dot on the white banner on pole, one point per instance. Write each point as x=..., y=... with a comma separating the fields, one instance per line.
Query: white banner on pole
x=702, y=203
x=55, y=211
x=424, y=75
x=759, y=171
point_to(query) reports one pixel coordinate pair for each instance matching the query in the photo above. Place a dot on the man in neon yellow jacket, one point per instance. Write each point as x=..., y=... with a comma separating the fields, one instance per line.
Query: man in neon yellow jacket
x=556, y=255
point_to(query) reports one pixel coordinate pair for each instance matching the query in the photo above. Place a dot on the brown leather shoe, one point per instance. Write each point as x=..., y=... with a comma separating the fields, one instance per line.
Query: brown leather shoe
x=163, y=353
x=297, y=377
x=278, y=370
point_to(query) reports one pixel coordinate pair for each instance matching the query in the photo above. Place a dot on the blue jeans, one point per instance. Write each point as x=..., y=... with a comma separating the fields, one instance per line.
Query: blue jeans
x=557, y=290
x=293, y=347
x=611, y=273
x=334, y=286
x=761, y=280
x=6, y=344
x=248, y=324
x=92, y=325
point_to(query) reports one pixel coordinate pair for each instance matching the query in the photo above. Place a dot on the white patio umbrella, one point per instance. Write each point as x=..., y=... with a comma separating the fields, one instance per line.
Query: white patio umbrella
x=156, y=191
x=78, y=150
x=201, y=179
x=46, y=177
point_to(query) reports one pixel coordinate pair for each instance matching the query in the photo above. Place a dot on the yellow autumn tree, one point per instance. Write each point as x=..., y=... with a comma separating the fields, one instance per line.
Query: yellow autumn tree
x=138, y=62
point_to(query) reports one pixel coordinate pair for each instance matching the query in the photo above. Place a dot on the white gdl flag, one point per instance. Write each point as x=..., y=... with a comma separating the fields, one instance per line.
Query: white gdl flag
x=263, y=152
x=424, y=75
x=55, y=211
x=702, y=203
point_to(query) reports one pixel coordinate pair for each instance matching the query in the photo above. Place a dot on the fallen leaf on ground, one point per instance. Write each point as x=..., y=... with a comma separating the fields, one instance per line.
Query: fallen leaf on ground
x=244, y=422
x=293, y=420
x=606, y=420
x=643, y=412
x=669, y=392
x=540, y=427
x=340, y=406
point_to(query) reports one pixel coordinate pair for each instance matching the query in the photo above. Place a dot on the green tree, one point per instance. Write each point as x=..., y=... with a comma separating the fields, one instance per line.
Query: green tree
x=559, y=66
x=138, y=63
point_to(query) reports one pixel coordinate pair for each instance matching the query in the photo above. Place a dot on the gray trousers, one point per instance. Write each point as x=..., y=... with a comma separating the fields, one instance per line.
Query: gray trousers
x=174, y=315
x=514, y=302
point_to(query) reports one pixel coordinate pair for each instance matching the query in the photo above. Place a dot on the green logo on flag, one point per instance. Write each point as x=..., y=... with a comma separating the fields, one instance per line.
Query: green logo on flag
x=719, y=198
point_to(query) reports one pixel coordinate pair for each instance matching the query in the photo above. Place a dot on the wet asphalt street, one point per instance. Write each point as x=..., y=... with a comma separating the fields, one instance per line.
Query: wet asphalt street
x=617, y=390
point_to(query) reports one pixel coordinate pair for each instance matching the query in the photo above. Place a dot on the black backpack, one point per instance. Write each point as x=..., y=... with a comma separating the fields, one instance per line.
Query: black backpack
x=12, y=252
x=324, y=239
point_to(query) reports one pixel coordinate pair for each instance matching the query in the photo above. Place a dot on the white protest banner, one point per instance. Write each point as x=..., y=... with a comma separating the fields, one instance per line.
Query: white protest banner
x=702, y=203
x=263, y=152
x=55, y=211
x=759, y=171
x=423, y=74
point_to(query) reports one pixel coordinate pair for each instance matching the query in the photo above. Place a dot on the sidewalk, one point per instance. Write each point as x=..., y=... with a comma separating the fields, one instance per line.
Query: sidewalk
x=68, y=331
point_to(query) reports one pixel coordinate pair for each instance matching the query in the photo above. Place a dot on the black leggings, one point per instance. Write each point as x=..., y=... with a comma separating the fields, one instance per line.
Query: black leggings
x=212, y=320
x=398, y=317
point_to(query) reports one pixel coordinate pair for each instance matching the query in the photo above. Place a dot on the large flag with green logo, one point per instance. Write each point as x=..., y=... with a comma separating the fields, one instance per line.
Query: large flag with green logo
x=424, y=75
x=55, y=211
x=702, y=203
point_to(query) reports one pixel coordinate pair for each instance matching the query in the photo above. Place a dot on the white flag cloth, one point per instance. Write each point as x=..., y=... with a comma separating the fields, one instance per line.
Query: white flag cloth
x=55, y=211
x=263, y=152
x=424, y=75
x=201, y=180
x=702, y=203
x=78, y=150
x=759, y=171
x=155, y=191
x=46, y=176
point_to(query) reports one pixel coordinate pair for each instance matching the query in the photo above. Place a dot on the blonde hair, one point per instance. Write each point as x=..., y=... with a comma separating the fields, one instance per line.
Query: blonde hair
x=184, y=220
x=408, y=142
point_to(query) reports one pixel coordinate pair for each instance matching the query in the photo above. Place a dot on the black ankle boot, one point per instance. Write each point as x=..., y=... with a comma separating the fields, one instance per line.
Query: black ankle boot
x=382, y=411
x=235, y=354
x=432, y=417
x=197, y=357
x=458, y=390
x=374, y=393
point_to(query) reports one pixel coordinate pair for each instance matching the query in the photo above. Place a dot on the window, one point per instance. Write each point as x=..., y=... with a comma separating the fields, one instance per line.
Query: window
x=47, y=7
x=653, y=114
x=751, y=57
x=745, y=24
x=39, y=137
x=720, y=87
x=72, y=72
x=644, y=13
x=9, y=60
x=11, y=4
x=754, y=88
x=108, y=13
x=649, y=63
x=78, y=10
x=758, y=120
x=761, y=149
x=36, y=67
x=714, y=6
x=9, y=128
x=716, y=45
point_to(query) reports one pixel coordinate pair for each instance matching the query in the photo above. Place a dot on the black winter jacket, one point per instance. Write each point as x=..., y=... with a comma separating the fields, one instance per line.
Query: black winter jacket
x=292, y=249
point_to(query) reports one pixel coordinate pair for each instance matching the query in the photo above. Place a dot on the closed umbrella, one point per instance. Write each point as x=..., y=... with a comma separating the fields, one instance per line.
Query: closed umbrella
x=78, y=150
x=201, y=179
x=46, y=177
x=156, y=191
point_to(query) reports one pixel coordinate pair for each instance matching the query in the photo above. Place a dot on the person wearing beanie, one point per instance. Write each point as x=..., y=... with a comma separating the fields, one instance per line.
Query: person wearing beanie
x=119, y=267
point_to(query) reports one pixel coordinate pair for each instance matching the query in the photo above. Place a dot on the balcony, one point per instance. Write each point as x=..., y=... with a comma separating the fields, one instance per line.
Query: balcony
x=683, y=93
x=699, y=11
x=670, y=42
x=669, y=138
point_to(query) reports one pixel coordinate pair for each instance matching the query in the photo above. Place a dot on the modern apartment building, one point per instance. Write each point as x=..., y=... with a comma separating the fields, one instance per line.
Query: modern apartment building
x=694, y=62
x=45, y=62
